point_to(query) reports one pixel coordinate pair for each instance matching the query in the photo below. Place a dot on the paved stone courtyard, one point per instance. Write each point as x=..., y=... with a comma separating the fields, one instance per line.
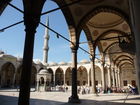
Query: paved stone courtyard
x=10, y=97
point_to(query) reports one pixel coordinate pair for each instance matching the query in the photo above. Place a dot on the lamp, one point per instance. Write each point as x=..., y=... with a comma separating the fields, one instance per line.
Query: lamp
x=127, y=44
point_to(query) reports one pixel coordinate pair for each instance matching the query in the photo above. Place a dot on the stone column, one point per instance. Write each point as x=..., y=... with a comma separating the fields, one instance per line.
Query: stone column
x=37, y=85
x=74, y=97
x=88, y=79
x=103, y=72
x=109, y=77
x=2, y=78
x=103, y=78
x=135, y=21
x=64, y=79
x=92, y=62
x=32, y=11
x=116, y=78
x=13, y=83
x=45, y=84
x=119, y=79
x=113, y=77
x=54, y=79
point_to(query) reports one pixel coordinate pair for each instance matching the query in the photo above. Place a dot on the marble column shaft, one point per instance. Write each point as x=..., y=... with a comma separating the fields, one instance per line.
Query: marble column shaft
x=88, y=79
x=74, y=97
x=116, y=78
x=92, y=62
x=109, y=77
x=113, y=78
x=31, y=22
x=103, y=77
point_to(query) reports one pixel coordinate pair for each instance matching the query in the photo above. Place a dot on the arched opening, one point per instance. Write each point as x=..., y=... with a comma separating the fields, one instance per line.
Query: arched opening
x=41, y=81
x=68, y=76
x=128, y=77
x=82, y=76
x=33, y=76
x=98, y=78
x=52, y=76
x=59, y=77
x=7, y=75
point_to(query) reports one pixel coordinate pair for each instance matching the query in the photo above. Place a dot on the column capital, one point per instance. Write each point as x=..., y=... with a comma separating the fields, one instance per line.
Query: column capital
x=74, y=48
x=31, y=22
x=32, y=13
x=103, y=54
x=92, y=57
x=103, y=63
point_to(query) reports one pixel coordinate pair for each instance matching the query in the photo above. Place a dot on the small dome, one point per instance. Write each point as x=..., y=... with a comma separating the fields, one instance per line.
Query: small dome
x=43, y=71
x=45, y=64
x=52, y=64
x=84, y=61
x=37, y=61
x=62, y=63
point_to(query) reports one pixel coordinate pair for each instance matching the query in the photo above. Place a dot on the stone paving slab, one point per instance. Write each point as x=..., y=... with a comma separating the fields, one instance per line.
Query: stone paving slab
x=61, y=98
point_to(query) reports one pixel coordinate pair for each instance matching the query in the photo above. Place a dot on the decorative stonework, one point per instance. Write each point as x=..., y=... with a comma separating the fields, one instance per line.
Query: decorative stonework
x=102, y=9
x=125, y=27
x=105, y=44
x=95, y=33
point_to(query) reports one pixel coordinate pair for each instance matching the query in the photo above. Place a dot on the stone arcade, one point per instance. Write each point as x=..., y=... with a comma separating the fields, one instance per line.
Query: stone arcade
x=110, y=25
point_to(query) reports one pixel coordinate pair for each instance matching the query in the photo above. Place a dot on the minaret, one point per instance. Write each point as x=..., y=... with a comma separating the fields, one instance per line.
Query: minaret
x=46, y=46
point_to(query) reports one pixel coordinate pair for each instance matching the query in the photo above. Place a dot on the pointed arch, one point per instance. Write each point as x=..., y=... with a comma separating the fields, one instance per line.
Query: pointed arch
x=33, y=75
x=7, y=74
x=120, y=61
x=82, y=76
x=125, y=63
x=68, y=76
x=122, y=56
x=99, y=9
x=59, y=76
x=52, y=75
x=98, y=78
x=109, y=46
x=108, y=32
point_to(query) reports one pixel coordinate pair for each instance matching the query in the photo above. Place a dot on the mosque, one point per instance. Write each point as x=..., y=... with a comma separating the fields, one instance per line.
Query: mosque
x=112, y=26
x=60, y=74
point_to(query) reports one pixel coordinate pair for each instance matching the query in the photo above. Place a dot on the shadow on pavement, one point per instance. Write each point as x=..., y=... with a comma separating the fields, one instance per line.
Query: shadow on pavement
x=12, y=100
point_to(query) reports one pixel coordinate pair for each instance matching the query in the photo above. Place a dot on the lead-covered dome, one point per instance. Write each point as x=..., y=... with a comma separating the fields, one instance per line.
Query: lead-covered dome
x=43, y=71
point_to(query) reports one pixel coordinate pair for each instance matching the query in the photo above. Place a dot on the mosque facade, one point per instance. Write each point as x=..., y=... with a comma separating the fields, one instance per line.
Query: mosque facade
x=46, y=75
x=59, y=74
x=112, y=26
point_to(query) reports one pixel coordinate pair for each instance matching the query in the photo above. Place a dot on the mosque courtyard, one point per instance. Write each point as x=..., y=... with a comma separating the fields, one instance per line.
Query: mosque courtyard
x=10, y=97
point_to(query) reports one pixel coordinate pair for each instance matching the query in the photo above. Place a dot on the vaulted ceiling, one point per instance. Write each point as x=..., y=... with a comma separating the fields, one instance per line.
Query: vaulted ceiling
x=105, y=23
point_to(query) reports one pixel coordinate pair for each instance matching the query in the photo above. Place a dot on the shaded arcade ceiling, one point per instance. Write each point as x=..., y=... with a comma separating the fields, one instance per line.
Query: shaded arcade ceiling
x=105, y=22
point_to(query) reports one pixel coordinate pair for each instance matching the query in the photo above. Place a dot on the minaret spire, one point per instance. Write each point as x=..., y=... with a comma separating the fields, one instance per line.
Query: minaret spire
x=46, y=43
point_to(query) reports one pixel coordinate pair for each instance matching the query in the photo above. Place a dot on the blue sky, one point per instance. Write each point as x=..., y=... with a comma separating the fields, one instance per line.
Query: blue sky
x=12, y=39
